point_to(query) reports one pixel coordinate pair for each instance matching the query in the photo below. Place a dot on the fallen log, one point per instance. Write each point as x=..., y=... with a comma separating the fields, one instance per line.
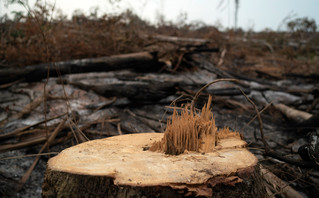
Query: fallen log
x=180, y=40
x=142, y=60
x=250, y=82
x=134, y=90
x=134, y=85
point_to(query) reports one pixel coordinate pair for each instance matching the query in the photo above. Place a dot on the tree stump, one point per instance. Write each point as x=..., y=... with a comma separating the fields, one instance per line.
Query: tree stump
x=192, y=158
x=123, y=166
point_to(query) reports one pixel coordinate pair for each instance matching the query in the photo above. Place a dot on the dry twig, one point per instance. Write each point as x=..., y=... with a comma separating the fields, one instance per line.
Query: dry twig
x=250, y=121
x=207, y=85
x=119, y=128
x=46, y=145
x=17, y=131
x=279, y=185
x=31, y=155
x=267, y=148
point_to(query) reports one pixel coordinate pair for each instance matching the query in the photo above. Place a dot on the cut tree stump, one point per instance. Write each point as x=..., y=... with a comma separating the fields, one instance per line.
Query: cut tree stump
x=192, y=158
x=123, y=166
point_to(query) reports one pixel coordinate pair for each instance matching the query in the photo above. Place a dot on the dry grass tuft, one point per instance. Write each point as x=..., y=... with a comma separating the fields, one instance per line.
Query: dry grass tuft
x=192, y=132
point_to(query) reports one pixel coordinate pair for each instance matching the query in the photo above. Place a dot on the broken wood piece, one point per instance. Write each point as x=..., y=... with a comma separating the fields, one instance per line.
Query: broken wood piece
x=221, y=59
x=277, y=185
x=119, y=128
x=293, y=114
x=179, y=40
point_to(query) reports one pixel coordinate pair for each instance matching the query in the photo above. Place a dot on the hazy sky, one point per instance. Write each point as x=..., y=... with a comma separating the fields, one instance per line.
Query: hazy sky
x=253, y=14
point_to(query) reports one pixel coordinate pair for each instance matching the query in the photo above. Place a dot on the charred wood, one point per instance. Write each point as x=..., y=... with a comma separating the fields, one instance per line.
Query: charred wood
x=142, y=60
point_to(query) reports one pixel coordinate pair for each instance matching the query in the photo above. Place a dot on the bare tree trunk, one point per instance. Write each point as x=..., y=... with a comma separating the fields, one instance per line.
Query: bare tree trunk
x=236, y=13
